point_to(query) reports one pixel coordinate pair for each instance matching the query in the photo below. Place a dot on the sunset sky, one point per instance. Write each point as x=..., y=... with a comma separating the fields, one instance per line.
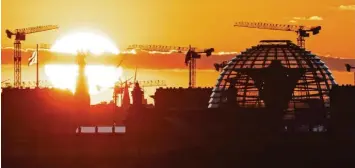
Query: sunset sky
x=201, y=23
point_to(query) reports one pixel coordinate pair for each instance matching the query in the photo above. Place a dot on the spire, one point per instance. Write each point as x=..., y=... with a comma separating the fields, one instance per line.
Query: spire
x=126, y=99
x=81, y=90
x=138, y=95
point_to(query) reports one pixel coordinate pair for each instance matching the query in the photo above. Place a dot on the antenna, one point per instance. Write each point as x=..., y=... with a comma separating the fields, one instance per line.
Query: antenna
x=135, y=76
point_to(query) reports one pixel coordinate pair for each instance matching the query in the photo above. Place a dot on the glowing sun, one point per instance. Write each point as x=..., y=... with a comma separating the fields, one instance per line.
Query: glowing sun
x=65, y=76
x=90, y=42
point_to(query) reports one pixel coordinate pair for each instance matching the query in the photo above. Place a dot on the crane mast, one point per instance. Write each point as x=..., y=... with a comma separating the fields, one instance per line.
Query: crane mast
x=20, y=35
x=190, y=57
x=302, y=31
x=190, y=60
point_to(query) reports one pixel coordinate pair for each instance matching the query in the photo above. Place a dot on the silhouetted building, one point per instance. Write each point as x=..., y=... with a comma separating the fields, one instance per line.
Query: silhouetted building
x=137, y=95
x=31, y=113
x=312, y=114
x=36, y=123
x=82, y=90
x=145, y=101
x=342, y=105
x=182, y=98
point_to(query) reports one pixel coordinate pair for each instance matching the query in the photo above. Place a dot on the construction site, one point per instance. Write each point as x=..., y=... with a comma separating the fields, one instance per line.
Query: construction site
x=275, y=103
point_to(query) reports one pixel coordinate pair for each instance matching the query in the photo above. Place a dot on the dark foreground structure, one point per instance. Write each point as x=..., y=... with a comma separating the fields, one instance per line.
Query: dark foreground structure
x=182, y=98
x=252, y=122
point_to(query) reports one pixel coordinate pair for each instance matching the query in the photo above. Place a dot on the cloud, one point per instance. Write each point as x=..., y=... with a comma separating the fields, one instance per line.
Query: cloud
x=336, y=63
x=25, y=50
x=347, y=7
x=305, y=18
x=226, y=53
x=315, y=18
x=292, y=21
x=300, y=18
x=146, y=60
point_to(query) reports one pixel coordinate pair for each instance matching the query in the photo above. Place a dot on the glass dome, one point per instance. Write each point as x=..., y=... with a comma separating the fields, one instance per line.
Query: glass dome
x=243, y=77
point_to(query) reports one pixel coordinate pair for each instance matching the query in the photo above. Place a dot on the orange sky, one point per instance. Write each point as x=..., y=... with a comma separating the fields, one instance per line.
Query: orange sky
x=202, y=23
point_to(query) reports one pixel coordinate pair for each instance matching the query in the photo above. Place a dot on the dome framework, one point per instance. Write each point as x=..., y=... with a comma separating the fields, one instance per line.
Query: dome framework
x=313, y=85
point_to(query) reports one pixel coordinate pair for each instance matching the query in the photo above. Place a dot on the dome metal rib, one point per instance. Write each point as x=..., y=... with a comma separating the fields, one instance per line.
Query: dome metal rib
x=315, y=84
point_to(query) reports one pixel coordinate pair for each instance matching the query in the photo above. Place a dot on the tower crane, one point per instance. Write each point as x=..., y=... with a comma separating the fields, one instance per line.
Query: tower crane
x=302, y=31
x=190, y=57
x=348, y=68
x=20, y=35
x=219, y=66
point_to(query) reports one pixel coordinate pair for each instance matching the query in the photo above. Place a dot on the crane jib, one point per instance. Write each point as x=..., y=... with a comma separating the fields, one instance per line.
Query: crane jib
x=301, y=30
x=36, y=29
x=272, y=26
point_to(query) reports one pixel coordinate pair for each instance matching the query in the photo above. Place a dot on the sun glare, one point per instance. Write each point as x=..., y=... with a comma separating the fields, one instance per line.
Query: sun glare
x=90, y=42
x=62, y=76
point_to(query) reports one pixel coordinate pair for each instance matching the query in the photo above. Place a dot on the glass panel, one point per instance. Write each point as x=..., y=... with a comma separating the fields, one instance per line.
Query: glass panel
x=120, y=129
x=105, y=129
